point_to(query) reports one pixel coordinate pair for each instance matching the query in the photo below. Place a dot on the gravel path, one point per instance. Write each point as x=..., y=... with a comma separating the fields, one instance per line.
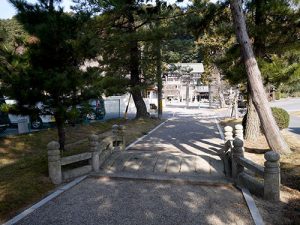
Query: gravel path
x=105, y=201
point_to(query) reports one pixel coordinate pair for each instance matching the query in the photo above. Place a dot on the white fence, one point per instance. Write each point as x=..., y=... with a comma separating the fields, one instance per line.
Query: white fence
x=115, y=106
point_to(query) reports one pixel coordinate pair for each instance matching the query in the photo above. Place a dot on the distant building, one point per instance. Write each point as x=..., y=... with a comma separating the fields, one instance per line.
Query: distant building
x=178, y=77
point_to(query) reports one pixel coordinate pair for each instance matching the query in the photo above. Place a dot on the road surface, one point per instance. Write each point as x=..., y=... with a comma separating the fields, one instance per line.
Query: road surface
x=290, y=105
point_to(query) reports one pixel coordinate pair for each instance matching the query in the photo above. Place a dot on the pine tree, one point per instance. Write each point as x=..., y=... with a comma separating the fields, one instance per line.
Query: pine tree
x=48, y=72
x=273, y=135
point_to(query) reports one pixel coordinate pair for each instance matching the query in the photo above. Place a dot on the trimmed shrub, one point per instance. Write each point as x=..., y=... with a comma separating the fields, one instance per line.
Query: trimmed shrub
x=281, y=116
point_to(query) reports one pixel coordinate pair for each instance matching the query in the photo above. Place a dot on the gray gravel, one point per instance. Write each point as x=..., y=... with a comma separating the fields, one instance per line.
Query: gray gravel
x=103, y=201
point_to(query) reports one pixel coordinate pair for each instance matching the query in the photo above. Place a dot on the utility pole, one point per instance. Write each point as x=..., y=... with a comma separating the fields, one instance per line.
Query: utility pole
x=187, y=93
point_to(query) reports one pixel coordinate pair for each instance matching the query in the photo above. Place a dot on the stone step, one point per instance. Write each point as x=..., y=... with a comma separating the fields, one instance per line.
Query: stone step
x=163, y=177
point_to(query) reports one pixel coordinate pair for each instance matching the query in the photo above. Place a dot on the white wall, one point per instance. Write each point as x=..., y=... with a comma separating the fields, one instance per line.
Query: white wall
x=114, y=104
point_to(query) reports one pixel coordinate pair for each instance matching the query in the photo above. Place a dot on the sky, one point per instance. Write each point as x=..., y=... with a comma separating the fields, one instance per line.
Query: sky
x=7, y=11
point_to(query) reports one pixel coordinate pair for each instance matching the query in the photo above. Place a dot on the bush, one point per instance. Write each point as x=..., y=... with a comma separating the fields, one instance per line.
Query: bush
x=281, y=116
x=73, y=116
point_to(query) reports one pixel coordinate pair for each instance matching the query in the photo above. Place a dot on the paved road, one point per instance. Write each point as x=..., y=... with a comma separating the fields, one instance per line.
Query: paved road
x=186, y=146
x=290, y=105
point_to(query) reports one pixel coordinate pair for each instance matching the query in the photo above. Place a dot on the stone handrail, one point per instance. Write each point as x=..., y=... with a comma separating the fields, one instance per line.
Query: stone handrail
x=98, y=153
x=257, y=169
x=75, y=158
x=269, y=188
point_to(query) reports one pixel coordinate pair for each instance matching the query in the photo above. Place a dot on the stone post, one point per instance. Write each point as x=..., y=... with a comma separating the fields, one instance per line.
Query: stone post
x=114, y=130
x=272, y=176
x=239, y=132
x=54, y=165
x=226, y=157
x=237, y=151
x=94, y=148
x=122, y=130
x=228, y=133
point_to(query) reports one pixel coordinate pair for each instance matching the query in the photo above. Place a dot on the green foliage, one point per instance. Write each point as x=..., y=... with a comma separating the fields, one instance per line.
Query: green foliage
x=12, y=35
x=273, y=27
x=73, y=115
x=181, y=50
x=281, y=117
x=48, y=70
x=4, y=108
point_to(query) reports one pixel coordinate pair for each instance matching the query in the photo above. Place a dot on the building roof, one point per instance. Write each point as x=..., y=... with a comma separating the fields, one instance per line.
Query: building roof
x=196, y=67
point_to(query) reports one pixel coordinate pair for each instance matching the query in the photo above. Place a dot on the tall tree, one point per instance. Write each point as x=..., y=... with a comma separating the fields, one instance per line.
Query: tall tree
x=272, y=23
x=273, y=135
x=48, y=72
x=158, y=64
x=119, y=29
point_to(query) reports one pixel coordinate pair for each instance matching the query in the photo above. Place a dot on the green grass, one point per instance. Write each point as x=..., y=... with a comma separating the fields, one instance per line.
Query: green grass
x=23, y=160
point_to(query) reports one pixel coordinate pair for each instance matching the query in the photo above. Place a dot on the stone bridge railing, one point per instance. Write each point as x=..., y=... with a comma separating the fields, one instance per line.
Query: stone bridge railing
x=97, y=154
x=263, y=181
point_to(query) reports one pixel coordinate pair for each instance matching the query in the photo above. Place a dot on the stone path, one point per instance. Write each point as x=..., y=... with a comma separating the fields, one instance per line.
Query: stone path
x=186, y=146
x=159, y=180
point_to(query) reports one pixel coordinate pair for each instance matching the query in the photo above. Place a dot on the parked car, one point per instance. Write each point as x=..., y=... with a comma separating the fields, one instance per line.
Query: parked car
x=90, y=110
x=36, y=122
x=98, y=109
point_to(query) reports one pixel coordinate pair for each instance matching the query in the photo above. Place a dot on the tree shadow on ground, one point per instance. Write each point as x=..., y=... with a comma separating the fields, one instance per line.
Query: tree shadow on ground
x=123, y=201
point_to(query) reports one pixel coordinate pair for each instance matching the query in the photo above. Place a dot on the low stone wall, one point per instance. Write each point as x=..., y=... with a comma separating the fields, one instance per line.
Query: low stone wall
x=264, y=181
x=99, y=151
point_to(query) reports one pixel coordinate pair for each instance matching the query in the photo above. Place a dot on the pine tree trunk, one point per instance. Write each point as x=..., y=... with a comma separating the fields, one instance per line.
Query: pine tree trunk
x=253, y=126
x=59, y=121
x=271, y=130
x=158, y=67
x=159, y=85
x=219, y=86
x=252, y=130
x=134, y=64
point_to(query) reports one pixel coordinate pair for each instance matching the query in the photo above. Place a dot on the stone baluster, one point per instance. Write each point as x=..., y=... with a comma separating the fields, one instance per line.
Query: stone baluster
x=228, y=133
x=94, y=149
x=237, y=152
x=272, y=176
x=226, y=152
x=239, y=132
x=122, y=131
x=114, y=130
x=54, y=164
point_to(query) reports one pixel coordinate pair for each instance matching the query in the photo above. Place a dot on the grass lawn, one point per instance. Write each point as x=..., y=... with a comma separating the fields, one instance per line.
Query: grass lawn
x=23, y=160
x=287, y=211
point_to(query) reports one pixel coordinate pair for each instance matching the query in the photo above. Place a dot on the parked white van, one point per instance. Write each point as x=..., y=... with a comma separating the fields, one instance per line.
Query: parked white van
x=35, y=123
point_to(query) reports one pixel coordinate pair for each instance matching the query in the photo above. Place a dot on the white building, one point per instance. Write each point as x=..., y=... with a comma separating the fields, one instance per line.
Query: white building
x=182, y=80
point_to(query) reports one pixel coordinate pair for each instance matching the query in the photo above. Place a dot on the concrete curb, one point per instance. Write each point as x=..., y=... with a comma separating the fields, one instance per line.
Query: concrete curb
x=252, y=207
x=220, y=129
x=59, y=191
